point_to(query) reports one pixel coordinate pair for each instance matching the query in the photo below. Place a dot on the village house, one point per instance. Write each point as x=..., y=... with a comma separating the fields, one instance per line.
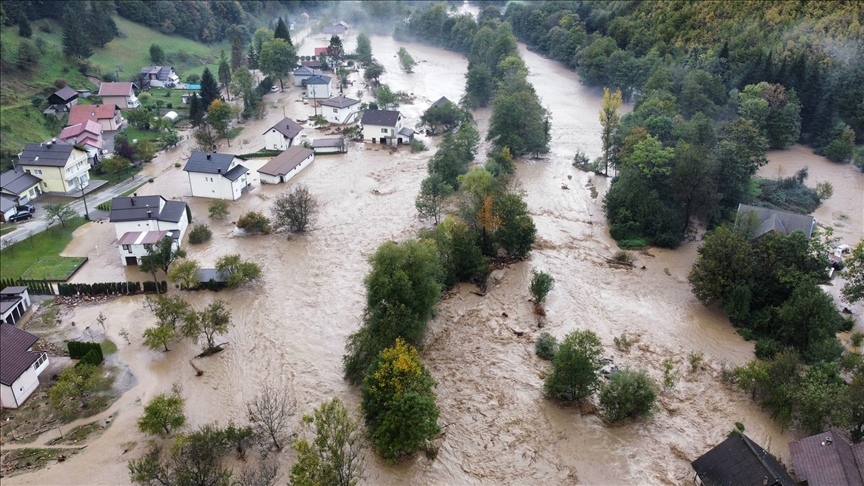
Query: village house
x=340, y=109
x=61, y=166
x=87, y=135
x=282, y=135
x=286, y=165
x=385, y=127
x=767, y=220
x=159, y=77
x=135, y=244
x=828, y=459
x=331, y=145
x=19, y=186
x=322, y=51
x=119, y=94
x=20, y=365
x=140, y=221
x=61, y=101
x=314, y=64
x=8, y=207
x=318, y=88
x=339, y=29
x=107, y=115
x=218, y=176
x=14, y=302
x=303, y=73
x=739, y=461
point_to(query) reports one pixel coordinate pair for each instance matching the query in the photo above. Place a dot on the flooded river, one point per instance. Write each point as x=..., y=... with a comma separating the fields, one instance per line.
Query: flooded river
x=289, y=330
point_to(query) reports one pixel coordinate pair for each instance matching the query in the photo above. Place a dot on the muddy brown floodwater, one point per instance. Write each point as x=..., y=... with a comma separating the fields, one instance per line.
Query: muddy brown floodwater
x=289, y=330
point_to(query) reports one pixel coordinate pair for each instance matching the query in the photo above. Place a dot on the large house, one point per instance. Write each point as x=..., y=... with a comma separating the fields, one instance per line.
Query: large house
x=20, y=365
x=140, y=221
x=107, y=115
x=119, y=94
x=286, y=165
x=767, y=220
x=61, y=166
x=303, y=73
x=340, y=109
x=21, y=187
x=218, y=176
x=385, y=127
x=87, y=135
x=159, y=77
x=741, y=462
x=282, y=135
x=828, y=459
x=319, y=87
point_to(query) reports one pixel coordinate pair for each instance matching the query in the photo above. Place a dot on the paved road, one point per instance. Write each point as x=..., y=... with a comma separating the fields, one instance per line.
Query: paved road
x=38, y=223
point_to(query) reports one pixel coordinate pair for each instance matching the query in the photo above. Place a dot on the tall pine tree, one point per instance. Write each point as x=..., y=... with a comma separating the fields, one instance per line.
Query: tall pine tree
x=101, y=23
x=209, y=89
x=224, y=72
x=24, y=29
x=196, y=111
x=281, y=32
x=252, y=57
x=76, y=41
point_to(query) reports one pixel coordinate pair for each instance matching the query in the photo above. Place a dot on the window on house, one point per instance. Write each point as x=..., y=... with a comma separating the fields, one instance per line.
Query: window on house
x=37, y=171
x=127, y=248
x=383, y=130
x=68, y=169
x=335, y=110
x=41, y=359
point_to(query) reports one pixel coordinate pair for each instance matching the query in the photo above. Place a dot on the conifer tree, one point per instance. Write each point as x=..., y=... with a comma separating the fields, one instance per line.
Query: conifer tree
x=281, y=32
x=196, y=110
x=24, y=29
x=209, y=89
x=76, y=41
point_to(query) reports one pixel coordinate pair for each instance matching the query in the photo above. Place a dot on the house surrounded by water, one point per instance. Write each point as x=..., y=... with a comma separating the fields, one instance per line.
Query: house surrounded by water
x=217, y=176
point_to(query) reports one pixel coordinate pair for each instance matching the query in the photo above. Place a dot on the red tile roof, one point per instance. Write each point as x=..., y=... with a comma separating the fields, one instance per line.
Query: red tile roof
x=115, y=89
x=82, y=113
x=15, y=356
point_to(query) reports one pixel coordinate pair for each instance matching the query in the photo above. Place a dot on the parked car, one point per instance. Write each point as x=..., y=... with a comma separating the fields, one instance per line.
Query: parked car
x=274, y=89
x=26, y=207
x=21, y=216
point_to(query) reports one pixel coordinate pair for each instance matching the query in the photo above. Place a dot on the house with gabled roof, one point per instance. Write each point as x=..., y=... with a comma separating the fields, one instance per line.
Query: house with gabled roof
x=340, y=109
x=140, y=221
x=303, y=73
x=286, y=165
x=282, y=135
x=61, y=100
x=61, y=166
x=338, y=29
x=159, y=76
x=107, y=115
x=120, y=94
x=87, y=135
x=20, y=186
x=20, y=364
x=828, y=459
x=739, y=461
x=319, y=87
x=385, y=127
x=215, y=175
x=768, y=220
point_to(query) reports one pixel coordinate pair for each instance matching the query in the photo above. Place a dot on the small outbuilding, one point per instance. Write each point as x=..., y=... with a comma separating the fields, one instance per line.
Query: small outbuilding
x=286, y=165
x=171, y=117
x=282, y=135
x=738, y=461
x=333, y=145
x=20, y=365
x=63, y=99
x=14, y=302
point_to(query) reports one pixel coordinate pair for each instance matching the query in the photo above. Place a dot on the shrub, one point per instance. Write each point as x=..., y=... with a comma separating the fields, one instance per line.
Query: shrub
x=92, y=357
x=60, y=83
x=827, y=350
x=417, y=146
x=177, y=164
x=629, y=394
x=546, y=346
x=670, y=374
x=622, y=256
x=169, y=105
x=78, y=350
x=199, y=234
x=144, y=97
x=150, y=180
x=856, y=338
x=623, y=343
x=218, y=209
x=767, y=348
x=575, y=367
x=695, y=360
x=254, y=222
x=541, y=284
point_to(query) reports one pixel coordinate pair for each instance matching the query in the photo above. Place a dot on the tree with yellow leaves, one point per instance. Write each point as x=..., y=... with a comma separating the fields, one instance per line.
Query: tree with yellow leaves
x=610, y=120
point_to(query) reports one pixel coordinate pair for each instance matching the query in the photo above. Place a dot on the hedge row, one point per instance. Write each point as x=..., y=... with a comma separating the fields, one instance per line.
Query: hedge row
x=34, y=287
x=91, y=358
x=80, y=350
x=110, y=288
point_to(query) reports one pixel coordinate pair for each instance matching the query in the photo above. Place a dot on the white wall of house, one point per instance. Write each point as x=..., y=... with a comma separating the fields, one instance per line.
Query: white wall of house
x=340, y=115
x=319, y=91
x=298, y=80
x=124, y=102
x=124, y=227
x=271, y=179
x=9, y=213
x=215, y=186
x=136, y=251
x=15, y=395
x=275, y=140
x=375, y=132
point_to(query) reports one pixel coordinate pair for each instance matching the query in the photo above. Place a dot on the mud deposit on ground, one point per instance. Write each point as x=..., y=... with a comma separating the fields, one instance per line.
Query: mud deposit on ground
x=290, y=328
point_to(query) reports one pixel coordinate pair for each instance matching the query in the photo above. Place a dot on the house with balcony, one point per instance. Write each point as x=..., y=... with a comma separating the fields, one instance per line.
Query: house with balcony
x=120, y=94
x=20, y=364
x=159, y=77
x=340, y=109
x=87, y=135
x=217, y=176
x=140, y=221
x=385, y=127
x=60, y=165
x=106, y=115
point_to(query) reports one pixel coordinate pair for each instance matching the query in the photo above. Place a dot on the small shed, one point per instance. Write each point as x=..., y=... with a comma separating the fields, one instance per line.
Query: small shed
x=332, y=145
x=171, y=116
x=14, y=302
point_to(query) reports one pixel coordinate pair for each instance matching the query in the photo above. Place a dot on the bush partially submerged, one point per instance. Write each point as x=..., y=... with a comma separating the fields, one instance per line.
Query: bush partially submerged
x=546, y=346
x=629, y=394
x=254, y=222
x=199, y=234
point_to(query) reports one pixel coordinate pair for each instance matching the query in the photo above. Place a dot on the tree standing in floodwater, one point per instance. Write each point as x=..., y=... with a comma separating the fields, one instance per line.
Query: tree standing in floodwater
x=610, y=120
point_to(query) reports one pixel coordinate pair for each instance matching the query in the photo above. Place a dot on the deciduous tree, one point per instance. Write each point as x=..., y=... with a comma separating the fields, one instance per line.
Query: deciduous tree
x=74, y=386
x=206, y=324
x=163, y=414
x=270, y=413
x=629, y=394
x=160, y=256
x=296, y=209
x=574, y=370
x=610, y=120
x=277, y=59
x=236, y=271
x=334, y=455
x=59, y=212
x=185, y=274
x=431, y=200
x=853, y=290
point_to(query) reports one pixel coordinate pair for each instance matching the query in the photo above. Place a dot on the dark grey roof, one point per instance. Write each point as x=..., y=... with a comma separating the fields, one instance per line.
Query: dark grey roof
x=334, y=29
x=235, y=173
x=339, y=102
x=7, y=203
x=441, y=101
x=304, y=71
x=47, y=154
x=209, y=163
x=206, y=274
x=17, y=181
x=383, y=118
x=135, y=208
x=738, y=461
x=14, y=290
x=318, y=80
x=828, y=459
x=287, y=127
x=15, y=357
x=328, y=142
x=162, y=72
x=286, y=161
x=773, y=220
x=63, y=96
x=408, y=132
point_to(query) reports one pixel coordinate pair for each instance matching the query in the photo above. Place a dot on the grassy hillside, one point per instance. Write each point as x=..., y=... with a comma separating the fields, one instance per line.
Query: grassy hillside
x=22, y=123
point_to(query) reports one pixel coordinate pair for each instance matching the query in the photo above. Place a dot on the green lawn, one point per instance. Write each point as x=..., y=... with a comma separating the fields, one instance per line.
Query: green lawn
x=6, y=228
x=232, y=134
x=23, y=255
x=53, y=268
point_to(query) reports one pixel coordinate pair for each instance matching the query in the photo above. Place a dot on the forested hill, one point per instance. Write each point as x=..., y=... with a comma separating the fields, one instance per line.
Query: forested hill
x=813, y=47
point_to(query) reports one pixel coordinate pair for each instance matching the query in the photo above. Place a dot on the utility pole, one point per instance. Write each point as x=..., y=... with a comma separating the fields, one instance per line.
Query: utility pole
x=86, y=211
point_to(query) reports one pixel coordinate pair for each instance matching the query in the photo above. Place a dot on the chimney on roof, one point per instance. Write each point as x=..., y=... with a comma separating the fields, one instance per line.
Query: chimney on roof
x=54, y=140
x=149, y=214
x=208, y=156
x=219, y=170
x=132, y=199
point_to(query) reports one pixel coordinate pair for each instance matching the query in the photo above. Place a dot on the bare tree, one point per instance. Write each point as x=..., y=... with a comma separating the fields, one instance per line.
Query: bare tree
x=261, y=473
x=270, y=412
x=296, y=209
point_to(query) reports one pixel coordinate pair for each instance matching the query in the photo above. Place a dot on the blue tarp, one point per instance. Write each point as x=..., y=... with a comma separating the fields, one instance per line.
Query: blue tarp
x=193, y=86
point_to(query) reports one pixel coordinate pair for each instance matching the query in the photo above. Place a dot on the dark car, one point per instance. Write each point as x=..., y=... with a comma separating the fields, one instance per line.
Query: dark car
x=24, y=215
x=26, y=207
